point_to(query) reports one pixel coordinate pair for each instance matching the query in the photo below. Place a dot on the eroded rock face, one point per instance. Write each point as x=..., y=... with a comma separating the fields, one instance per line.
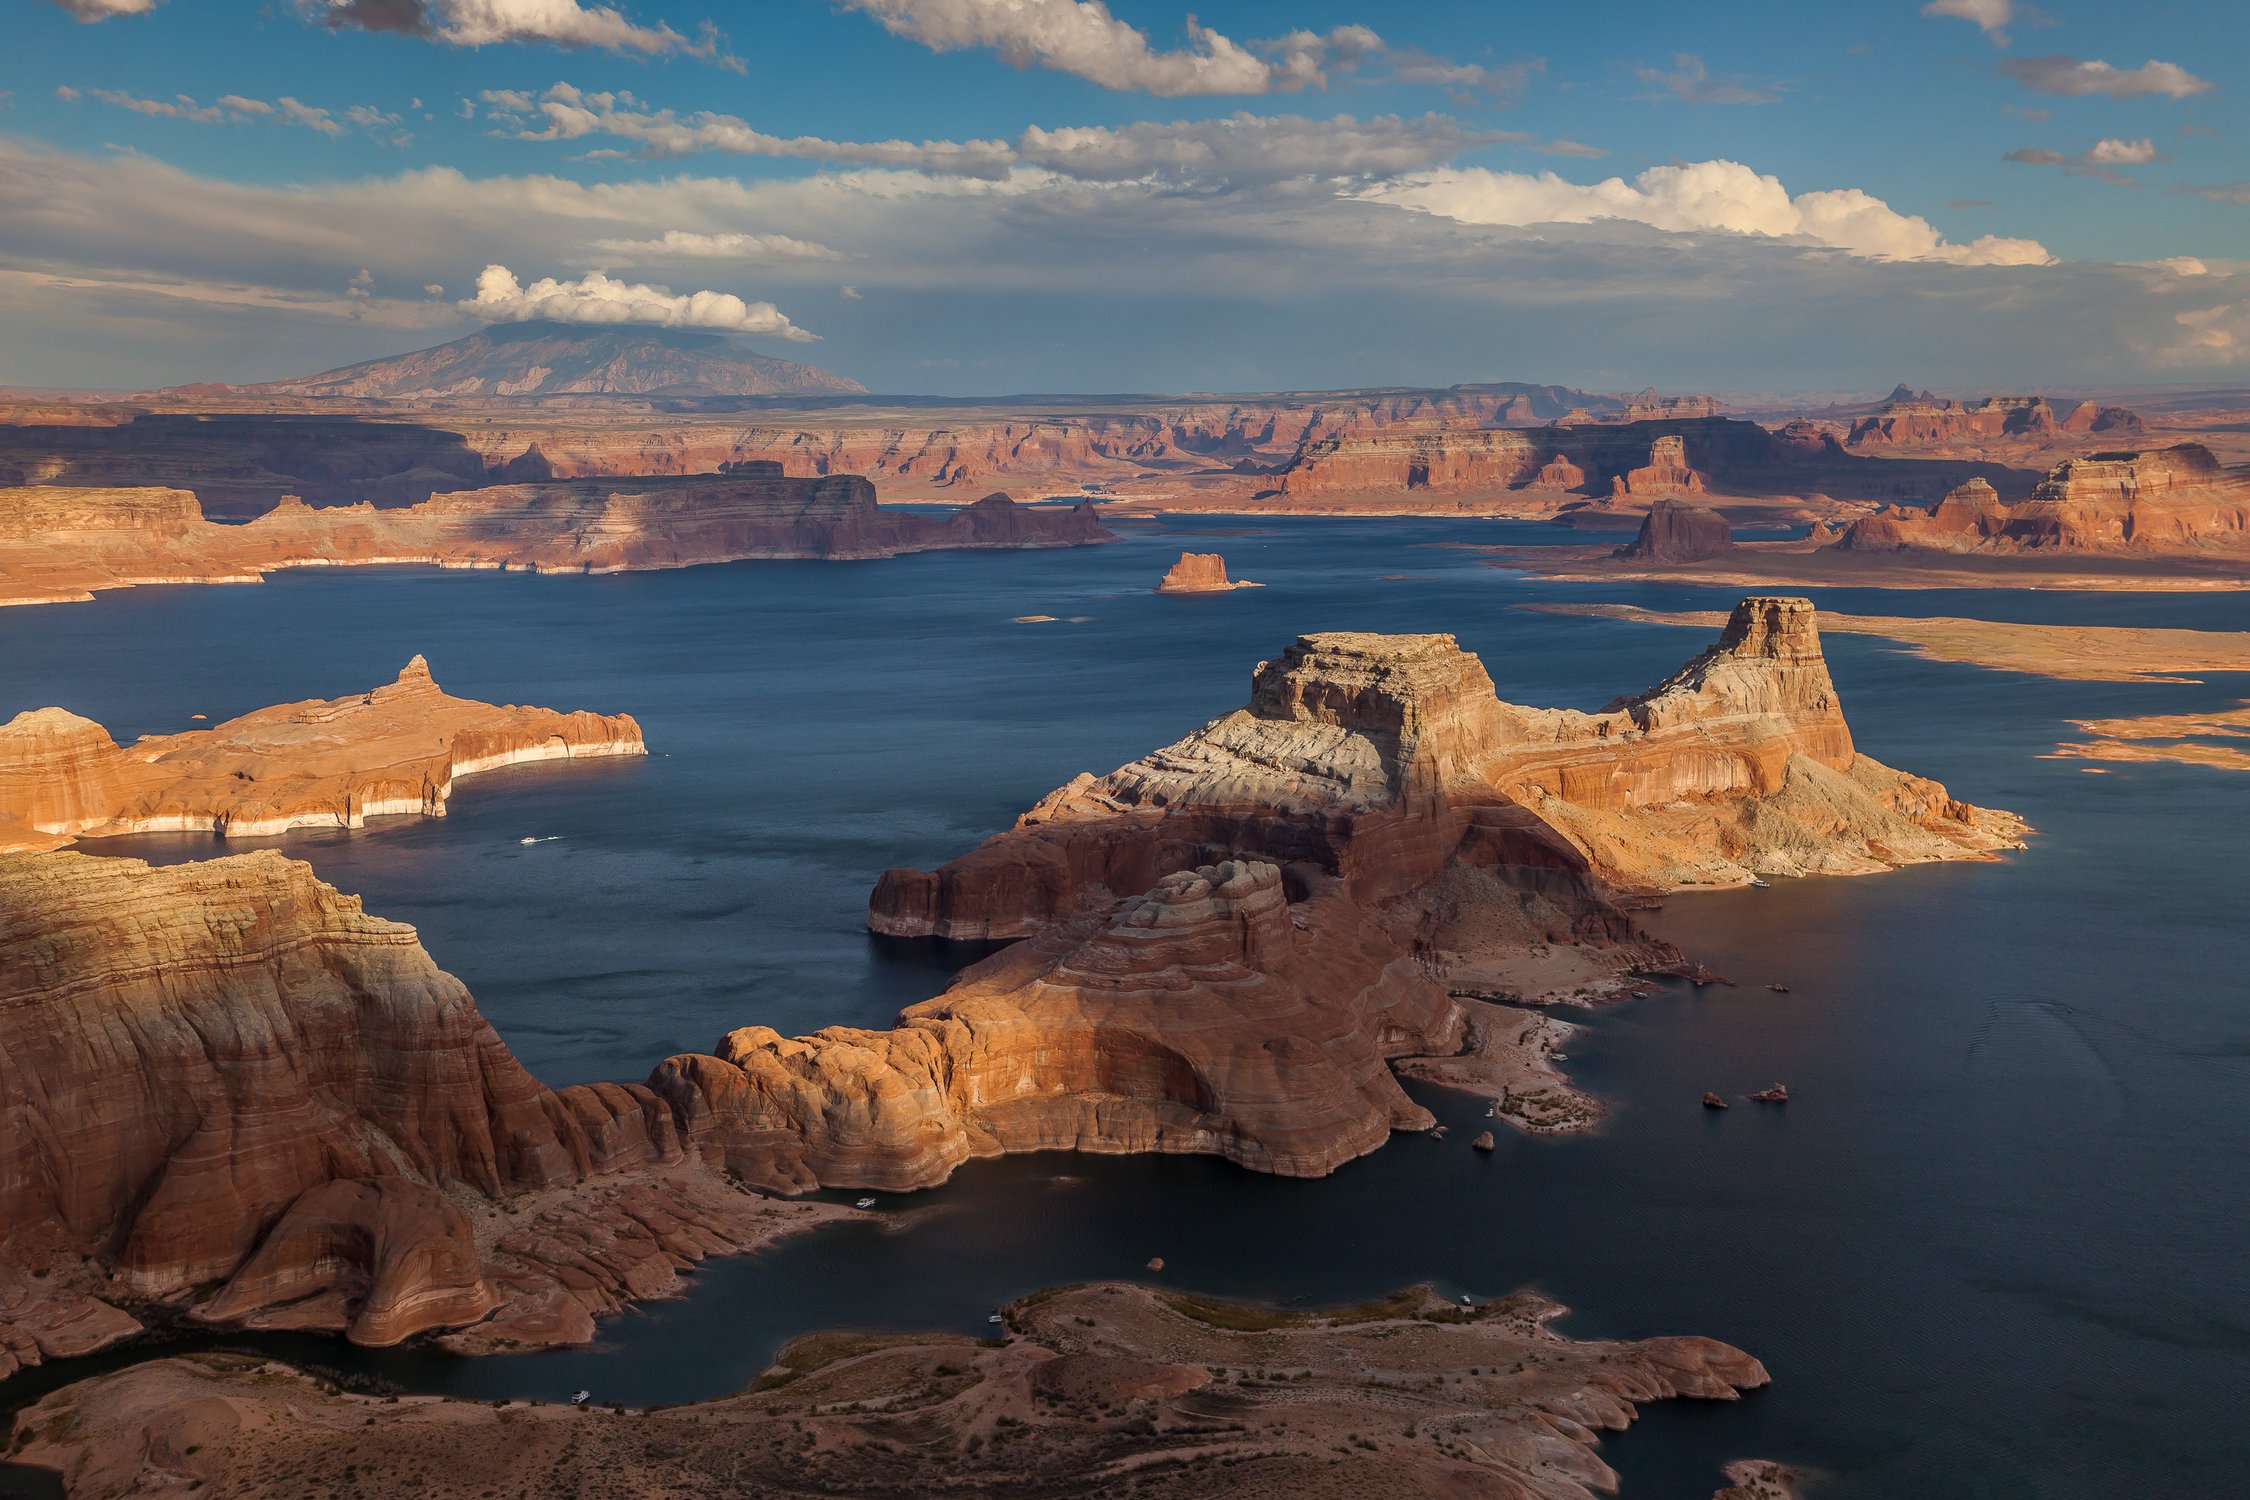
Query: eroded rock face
x=2176, y=499
x=1198, y=573
x=1672, y=532
x=236, y=1092
x=334, y=763
x=1666, y=473
x=1379, y=759
x=1201, y=1016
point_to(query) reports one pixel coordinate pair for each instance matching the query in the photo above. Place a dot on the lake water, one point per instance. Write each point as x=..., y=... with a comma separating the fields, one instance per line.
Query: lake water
x=1994, y=1248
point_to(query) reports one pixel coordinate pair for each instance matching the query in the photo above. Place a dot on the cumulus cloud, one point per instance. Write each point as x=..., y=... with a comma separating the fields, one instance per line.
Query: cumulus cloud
x=483, y=23
x=596, y=299
x=1238, y=148
x=2078, y=77
x=2099, y=160
x=1700, y=196
x=1989, y=16
x=1082, y=38
x=90, y=11
x=238, y=108
x=1691, y=81
x=681, y=244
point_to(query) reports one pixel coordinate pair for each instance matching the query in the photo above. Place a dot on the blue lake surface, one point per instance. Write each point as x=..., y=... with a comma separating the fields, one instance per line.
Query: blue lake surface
x=1994, y=1248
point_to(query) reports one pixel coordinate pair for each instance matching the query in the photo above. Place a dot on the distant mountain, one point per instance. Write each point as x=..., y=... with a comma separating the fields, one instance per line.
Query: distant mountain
x=558, y=359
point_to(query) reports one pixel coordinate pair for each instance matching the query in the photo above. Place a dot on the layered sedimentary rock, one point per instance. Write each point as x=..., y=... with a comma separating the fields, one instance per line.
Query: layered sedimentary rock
x=2175, y=499
x=227, y=1089
x=1199, y=573
x=1472, y=463
x=1092, y=1390
x=320, y=763
x=1922, y=421
x=1667, y=472
x=1378, y=759
x=61, y=543
x=1202, y=1016
x=1672, y=532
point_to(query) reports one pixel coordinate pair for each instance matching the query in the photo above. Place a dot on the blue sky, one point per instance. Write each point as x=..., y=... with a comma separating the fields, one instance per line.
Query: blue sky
x=1083, y=197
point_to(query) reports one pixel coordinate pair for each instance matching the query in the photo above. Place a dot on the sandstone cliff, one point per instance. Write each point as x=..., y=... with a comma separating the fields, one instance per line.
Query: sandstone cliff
x=2175, y=499
x=1672, y=532
x=336, y=763
x=1666, y=473
x=1625, y=458
x=62, y=543
x=1202, y=1016
x=1376, y=759
x=1200, y=573
x=226, y=1089
x=1910, y=421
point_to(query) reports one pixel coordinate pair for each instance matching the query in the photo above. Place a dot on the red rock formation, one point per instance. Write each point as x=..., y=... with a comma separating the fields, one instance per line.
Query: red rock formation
x=2175, y=499
x=1648, y=406
x=1666, y=473
x=397, y=749
x=1199, y=573
x=238, y=1093
x=62, y=543
x=2092, y=416
x=1474, y=463
x=1672, y=532
x=1378, y=760
x=1911, y=421
x=1204, y=1016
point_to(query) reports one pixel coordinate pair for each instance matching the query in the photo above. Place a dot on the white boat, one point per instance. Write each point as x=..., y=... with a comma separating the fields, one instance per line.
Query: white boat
x=995, y=1318
x=1759, y=885
x=864, y=1203
x=581, y=1398
x=1465, y=1302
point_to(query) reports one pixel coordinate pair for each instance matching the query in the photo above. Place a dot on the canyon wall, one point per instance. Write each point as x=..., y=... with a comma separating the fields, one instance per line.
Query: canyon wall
x=2177, y=499
x=227, y=1090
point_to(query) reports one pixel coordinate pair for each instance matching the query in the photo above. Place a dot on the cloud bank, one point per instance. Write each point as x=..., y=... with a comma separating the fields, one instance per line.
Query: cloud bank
x=1701, y=196
x=596, y=299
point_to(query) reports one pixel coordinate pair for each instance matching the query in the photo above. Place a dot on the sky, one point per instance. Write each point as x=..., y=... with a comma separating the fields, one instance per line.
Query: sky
x=1016, y=196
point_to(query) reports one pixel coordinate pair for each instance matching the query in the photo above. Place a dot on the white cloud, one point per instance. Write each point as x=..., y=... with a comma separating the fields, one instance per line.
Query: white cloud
x=1697, y=196
x=1237, y=148
x=101, y=10
x=2100, y=160
x=2071, y=76
x=483, y=23
x=2116, y=153
x=237, y=108
x=683, y=244
x=596, y=299
x=1691, y=81
x=1081, y=37
x=1989, y=16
